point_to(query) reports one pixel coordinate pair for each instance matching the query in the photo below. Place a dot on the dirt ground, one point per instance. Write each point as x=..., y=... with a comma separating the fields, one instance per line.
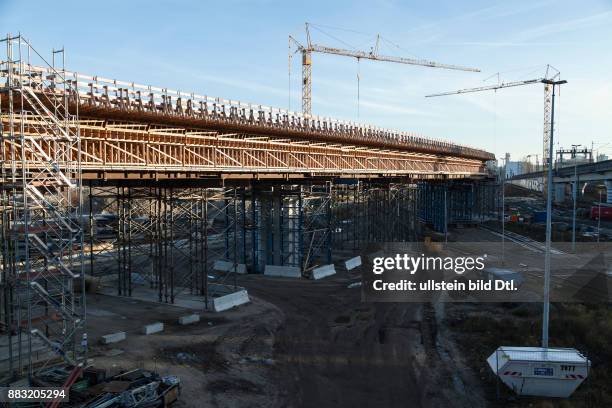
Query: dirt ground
x=224, y=360
x=299, y=343
x=303, y=343
x=333, y=350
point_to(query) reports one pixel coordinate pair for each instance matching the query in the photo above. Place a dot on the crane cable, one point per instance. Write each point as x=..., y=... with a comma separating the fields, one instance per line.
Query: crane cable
x=333, y=37
x=495, y=123
x=289, y=66
x=358, y=85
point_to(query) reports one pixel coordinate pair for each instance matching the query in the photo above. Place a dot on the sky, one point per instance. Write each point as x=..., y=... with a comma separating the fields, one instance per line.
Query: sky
x=238, y=49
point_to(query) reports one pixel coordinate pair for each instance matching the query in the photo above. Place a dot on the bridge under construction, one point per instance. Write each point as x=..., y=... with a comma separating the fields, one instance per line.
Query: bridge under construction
x=166, y=193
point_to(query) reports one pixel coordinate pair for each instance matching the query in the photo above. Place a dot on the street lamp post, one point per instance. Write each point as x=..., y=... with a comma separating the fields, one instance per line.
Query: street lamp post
x=549, y=187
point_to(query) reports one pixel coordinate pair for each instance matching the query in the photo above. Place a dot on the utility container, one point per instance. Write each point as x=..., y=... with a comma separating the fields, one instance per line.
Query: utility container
x=538, y=371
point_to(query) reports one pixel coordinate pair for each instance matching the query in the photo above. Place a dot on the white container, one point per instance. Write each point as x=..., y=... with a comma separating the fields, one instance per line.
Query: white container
x=538, y=371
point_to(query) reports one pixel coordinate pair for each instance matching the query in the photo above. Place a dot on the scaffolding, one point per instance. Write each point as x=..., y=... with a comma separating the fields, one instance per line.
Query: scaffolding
x=168, y=239
x=366, y=212
x=42, y=298
x=175, y=239
x=291, y=226
x=456, y=202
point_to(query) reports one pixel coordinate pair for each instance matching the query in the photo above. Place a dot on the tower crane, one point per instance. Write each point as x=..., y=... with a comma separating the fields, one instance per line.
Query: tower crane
x=373, y=54
x=548, y=80
x=550, y=84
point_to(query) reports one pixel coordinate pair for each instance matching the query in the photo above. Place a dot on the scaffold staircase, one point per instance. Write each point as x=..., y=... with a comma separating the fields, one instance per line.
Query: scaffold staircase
x=42, y=265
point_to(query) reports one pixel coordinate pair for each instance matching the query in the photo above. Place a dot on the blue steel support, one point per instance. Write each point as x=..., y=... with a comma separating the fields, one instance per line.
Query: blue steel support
x=329, y=223
x=300, y=229
x=226, y=253
x=255, y=233
x=244, y=225
x=440, y=204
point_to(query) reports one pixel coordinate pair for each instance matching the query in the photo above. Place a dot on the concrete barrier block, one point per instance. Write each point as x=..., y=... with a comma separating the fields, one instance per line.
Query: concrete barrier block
x=352, y=263
x=113, y=338
x=226, y=266
x=153, y=328
x=323, y=271
x=284, y=271
x=189, y=319
x=231, y=300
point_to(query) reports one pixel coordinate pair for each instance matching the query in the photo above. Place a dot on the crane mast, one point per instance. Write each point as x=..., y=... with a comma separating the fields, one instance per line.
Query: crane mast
x=310, y=48
x=547, y=123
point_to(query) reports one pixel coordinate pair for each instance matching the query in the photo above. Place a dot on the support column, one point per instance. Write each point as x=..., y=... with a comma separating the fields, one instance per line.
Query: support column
x=264, y=223
x=255, y=230
x=276, y=229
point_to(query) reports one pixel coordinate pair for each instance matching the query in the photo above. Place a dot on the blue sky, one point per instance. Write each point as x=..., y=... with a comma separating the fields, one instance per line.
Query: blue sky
x=238, y=49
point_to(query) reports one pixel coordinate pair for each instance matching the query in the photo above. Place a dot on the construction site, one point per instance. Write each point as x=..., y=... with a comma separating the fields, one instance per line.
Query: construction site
x=166, y=248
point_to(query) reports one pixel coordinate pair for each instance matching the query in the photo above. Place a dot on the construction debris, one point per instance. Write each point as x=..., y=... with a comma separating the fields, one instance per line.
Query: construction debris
x=90, y=388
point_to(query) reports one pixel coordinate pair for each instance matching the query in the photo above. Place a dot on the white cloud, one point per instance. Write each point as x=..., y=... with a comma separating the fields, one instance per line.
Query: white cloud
x=564, y=26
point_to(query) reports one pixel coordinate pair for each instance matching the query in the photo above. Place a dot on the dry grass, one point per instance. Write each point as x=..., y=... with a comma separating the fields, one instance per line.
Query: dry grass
x=585, y=327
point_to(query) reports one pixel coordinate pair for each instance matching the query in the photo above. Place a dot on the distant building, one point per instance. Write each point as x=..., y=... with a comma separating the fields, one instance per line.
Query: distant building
x=602, y=157
x=514, y=168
